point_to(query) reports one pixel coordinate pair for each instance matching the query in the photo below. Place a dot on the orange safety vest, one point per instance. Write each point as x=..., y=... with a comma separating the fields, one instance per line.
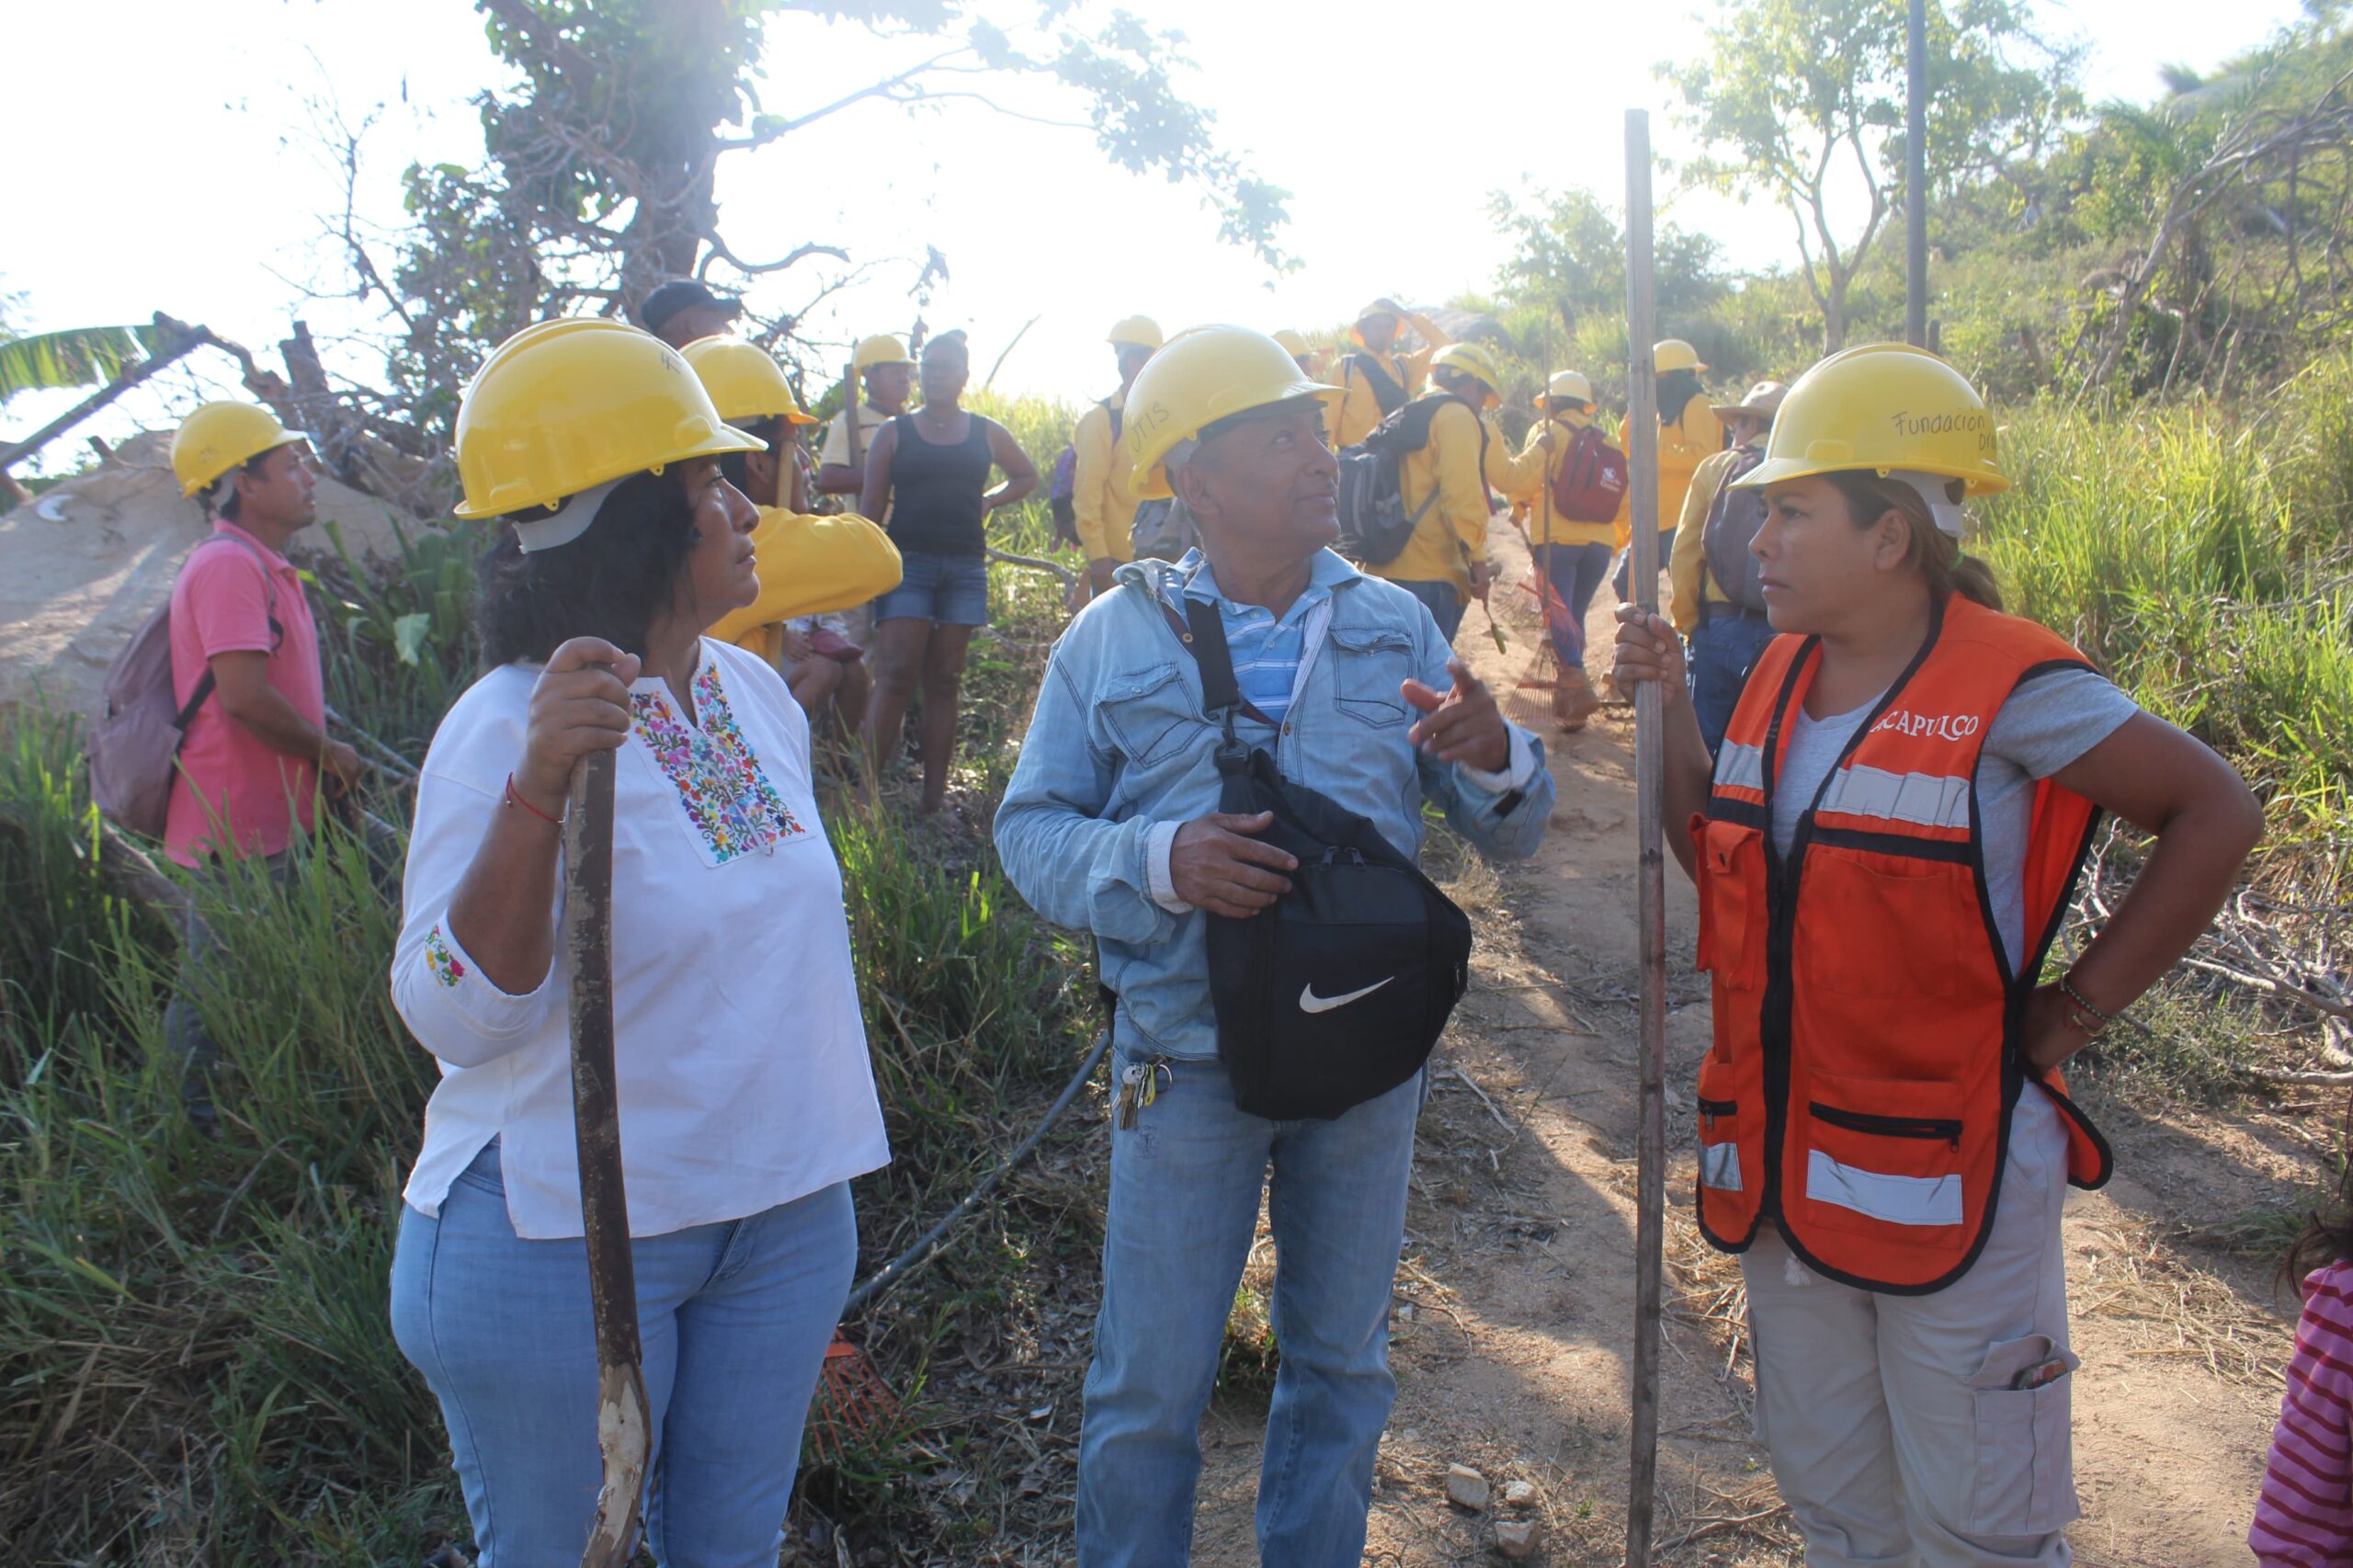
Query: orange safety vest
x=1867, y=1053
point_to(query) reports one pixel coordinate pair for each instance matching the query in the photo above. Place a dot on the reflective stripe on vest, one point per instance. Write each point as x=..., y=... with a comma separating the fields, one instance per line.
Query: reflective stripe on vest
x=1865, y=1063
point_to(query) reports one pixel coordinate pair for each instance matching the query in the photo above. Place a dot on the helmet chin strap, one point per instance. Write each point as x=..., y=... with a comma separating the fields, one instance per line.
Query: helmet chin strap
x=1936, y=490
x=567, y=522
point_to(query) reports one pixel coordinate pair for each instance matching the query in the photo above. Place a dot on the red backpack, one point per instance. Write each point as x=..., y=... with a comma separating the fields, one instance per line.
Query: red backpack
x=1591, y=481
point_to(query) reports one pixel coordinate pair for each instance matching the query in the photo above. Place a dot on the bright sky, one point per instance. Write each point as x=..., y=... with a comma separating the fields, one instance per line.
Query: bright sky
x=177, y=166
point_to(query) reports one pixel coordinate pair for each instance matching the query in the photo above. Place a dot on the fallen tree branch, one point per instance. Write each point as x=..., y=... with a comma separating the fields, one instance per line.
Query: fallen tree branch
x=2270, y=987
x=1069, y=579
x=184, y=339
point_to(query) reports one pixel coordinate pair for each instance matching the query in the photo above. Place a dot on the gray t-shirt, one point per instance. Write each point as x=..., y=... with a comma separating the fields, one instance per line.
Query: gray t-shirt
x=2046, y=724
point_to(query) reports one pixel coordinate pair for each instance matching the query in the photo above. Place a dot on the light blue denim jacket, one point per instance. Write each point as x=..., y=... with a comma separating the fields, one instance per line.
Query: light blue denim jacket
x=1118, y=747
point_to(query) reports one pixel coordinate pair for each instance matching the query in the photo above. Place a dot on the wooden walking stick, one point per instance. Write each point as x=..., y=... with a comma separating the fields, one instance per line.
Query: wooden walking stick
x=1650, y=758
x=624, y=1418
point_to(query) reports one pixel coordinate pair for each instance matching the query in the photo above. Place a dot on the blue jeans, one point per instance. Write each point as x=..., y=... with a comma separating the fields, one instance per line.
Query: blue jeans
x=735, y=1317
x=1184, y=1207
x=1444, y=601
x=951, y=590
x=1575, y=572
x=1724, y=648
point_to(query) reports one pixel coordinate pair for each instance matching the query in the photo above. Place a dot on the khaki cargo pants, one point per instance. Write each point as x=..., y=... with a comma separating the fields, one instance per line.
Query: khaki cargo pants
x=1896, y=1435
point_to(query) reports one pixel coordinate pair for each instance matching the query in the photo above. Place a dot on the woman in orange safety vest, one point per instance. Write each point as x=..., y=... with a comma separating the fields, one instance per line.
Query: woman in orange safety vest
x=1884, y=850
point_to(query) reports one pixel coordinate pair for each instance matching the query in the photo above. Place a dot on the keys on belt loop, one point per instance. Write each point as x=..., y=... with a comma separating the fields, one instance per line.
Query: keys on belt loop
x=1138, y=1087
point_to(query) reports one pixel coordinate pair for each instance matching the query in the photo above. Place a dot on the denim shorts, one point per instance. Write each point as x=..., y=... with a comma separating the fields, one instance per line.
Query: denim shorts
x=952, y=590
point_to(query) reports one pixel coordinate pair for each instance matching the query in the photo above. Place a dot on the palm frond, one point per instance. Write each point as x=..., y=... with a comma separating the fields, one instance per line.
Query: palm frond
x=77, y=357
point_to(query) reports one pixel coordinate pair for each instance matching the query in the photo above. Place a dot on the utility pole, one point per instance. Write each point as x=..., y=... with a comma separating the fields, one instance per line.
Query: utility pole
x=1916, y=181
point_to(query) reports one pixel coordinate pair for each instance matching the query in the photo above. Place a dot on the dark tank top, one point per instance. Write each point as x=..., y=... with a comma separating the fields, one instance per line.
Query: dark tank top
x=936, y=490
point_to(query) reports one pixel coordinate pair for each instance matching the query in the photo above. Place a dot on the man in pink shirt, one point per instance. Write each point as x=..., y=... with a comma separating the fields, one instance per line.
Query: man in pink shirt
x=250, y=768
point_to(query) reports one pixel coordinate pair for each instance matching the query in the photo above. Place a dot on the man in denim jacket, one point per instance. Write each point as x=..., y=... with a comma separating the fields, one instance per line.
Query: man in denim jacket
x=1111, y=825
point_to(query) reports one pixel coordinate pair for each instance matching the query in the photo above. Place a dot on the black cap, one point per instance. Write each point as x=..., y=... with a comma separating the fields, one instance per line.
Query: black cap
x=681, y=294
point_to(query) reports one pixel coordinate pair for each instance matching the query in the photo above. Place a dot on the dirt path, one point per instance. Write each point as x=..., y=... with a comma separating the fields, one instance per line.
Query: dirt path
x=1515, y=1303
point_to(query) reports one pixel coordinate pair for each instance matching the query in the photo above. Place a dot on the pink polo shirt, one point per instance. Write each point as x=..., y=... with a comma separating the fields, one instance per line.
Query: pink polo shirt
x=228, y=775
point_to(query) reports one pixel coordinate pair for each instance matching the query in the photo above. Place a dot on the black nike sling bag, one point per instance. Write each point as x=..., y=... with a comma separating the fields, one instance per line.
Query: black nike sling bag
x=1336, y=993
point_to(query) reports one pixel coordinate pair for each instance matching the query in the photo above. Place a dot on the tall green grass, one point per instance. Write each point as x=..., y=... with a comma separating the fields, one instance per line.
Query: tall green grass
x=2204, y=556
x=195, y=1361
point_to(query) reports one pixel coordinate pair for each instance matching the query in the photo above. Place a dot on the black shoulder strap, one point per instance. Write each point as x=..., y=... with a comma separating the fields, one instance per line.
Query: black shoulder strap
x=1218, y=689
x=1203, y=634
x=1105, y=404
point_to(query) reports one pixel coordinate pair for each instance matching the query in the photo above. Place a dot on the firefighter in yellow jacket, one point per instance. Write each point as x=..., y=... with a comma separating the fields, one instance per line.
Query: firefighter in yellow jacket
x=1717, y=604
x=1687, y=432
x=1572, y=557
x=1884, y=850
x=1104, y=510
x=1374, y=379
x=808, y=564
x=1444, y=481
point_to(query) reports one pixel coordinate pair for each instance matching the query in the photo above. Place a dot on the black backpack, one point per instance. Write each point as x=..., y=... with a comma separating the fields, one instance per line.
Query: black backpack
x=1374, y=523
x=1387, y=390
x=1734, y=517
x=1337, y=993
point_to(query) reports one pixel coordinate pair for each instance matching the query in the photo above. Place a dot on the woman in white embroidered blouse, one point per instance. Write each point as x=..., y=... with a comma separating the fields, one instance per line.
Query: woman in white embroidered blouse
x=746, y=1101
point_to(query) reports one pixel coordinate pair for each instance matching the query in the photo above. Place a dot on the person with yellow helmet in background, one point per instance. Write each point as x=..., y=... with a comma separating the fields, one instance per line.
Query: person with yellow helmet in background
x=1444, y=480
x=740, y=1057
x=1310, y=365
x=1375, y=380
x=1687, y=432
x=882, y=363
x=1114, y=822
x=1571, y=556
x=1885, y=849
x=255, y=754
x=809, y=565
x=1717, y=604
x=1103, y=511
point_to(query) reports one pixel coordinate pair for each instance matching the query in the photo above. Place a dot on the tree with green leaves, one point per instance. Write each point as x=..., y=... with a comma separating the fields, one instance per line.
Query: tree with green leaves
x=601, y=165
x=1568, y=253
x=1801, y=102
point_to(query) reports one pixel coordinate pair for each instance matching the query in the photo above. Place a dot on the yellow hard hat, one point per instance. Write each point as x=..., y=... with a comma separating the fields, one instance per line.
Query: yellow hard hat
x=743, y=380
x=1293, y=345
x=1204, y=375
x=222, y=436
x=564, y=405
x=1141, y=331
x=1569, y=386
x=1470, y=359
x=882, y=348
x=1674, y=354
x=1883, y=407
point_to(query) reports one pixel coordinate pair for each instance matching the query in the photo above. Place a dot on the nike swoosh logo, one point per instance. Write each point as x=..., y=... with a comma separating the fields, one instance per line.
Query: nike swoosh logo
x=1311, y=1002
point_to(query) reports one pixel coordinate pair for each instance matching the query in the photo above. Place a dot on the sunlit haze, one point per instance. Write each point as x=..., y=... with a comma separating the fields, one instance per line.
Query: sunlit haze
x=171, y=157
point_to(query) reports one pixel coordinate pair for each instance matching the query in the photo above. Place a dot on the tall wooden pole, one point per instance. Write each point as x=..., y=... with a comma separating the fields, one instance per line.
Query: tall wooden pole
x=1916, y=181
x=624, y=1417
x=1650, y=759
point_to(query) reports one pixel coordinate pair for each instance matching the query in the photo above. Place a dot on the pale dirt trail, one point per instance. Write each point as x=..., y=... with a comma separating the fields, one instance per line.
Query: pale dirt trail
x=1519, y=1256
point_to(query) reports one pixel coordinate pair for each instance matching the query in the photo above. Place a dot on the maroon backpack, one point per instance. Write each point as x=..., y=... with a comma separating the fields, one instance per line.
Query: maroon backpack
x=1591, y=481
x=135, y=747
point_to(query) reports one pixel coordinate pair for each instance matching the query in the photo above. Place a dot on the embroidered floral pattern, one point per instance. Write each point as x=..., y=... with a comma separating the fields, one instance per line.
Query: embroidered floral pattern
x=440, y=961
x=726, y=797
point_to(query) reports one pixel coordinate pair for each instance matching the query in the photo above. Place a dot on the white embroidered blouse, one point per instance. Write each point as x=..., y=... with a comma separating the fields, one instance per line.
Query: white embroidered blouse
x=739, y=1047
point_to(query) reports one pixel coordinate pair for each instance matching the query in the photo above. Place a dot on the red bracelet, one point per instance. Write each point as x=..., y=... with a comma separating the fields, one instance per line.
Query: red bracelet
x=515, y=799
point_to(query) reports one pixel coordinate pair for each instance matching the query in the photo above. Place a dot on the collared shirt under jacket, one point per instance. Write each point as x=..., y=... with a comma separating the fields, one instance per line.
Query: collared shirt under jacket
x=1120, y=754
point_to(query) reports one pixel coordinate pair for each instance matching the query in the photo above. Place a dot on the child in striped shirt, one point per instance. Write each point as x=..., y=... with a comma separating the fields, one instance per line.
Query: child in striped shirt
x=2304, y=1518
